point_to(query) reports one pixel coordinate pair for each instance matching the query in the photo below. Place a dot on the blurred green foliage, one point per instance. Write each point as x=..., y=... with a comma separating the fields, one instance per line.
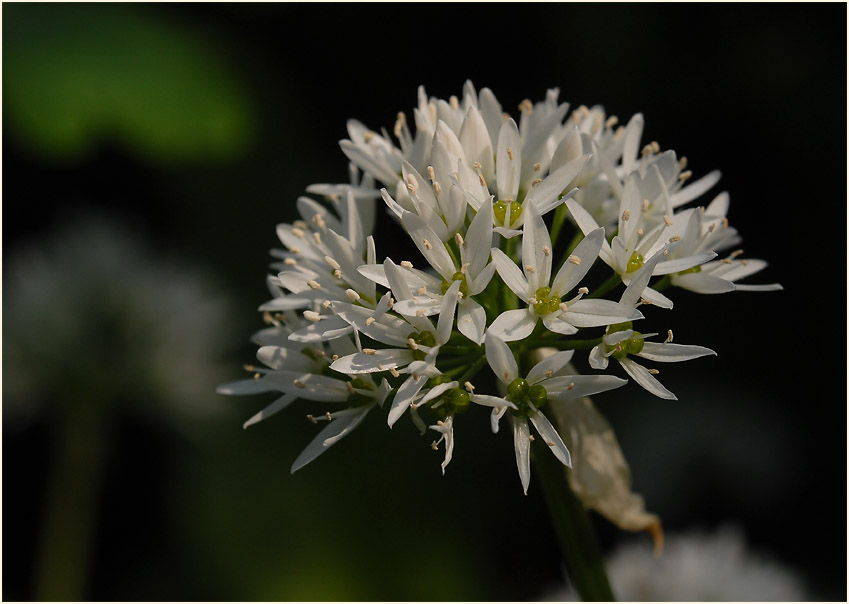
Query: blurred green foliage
x=75, y=74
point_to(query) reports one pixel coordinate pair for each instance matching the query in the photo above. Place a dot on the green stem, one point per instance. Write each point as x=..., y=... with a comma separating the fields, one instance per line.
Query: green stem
x=606, y=286
x=573, y=526
x=472, y=371
x=557, y=223
x=79, y=446
x=664, y=283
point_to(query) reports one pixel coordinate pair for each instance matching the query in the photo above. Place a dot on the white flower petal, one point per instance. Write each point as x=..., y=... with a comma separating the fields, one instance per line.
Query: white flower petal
x=471, y=320
x=382, y=360
x=569, y=387
x=595, y=313
x=549, y=366
x=703, y=283
x=535, y=242
x=278, y=405
x=558, y=324
x=508, y=162
x=429, y=245
x=513, y=325
x=669, y=352
x=695, y=189
x=510, y=274
x=501, y=359
x=570, y=274
x=405, y=395
x=341, y=425
x=522, y=444
x=551, y=438
x=645, y=379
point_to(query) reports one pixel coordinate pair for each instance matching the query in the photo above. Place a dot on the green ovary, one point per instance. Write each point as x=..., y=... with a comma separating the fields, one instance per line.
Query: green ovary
x=694, y=269
x=633, y=345
x=545, y=302
x=500, y=209
x=523, y=395
x=635, y=263
x=424, y=338
x=458, y=276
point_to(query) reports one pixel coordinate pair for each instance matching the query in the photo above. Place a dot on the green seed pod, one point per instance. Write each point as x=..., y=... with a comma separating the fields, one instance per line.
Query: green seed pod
x=537, y=395
x=459, y=400
x=518, y=389
x=636, y=262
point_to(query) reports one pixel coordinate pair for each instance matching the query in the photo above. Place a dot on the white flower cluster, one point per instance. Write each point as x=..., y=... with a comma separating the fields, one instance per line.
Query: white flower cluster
x=485, y=200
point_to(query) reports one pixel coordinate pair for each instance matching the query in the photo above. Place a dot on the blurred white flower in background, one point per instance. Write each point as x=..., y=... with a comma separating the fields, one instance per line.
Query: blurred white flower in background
x=94, y=315
x=697, y=566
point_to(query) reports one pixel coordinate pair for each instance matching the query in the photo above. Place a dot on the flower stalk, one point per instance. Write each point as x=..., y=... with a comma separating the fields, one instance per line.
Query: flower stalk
x=574, y=528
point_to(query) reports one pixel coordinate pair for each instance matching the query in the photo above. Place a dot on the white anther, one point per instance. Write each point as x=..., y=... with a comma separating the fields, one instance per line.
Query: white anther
x=482, y=180
x=674, y=238
x=526, y=106
x=532, y=300
x=655, y=146
x=312, y=419
x=290, y=262
x=683, y=162
x=465, y=267
x=639, y=232
x=299, y=233
x=335, y=357
x=468, y=385
x=459, y=239
x=394, y=372
x=563, y=307
x=583, y=290
x=313, y=284
x=645, y=205
x=530, y=269
x=370, y=320
x=570, y=386
x=437, y=188
x=318, y=219
x=413, y=344
x=369, y=351
x=611, y=121
x=667, y=220
x=422, y=290
x=574, y=260
x=735, y=253
x=352, y=295
x=548, y=373
x=299, y=383
x=654, y=371
x=537, y=167
x=317, y=238
x=337, y=273
x=399, y=124
x=685, y=175
x=727, y=261
x=333, y=264
x=328, y=415
x=326, y=304
x=427, y=244
x=349, y=387
x=420, y=313
x=431, y=174
x=626, y=215
x=724, y=222
x=531, y=437
x=368, y=136
x=669, y=335
x=509, y=153
x=311, y=315
x=454, y=102
x=406, y=264
x=295, y=250
x=535, y=182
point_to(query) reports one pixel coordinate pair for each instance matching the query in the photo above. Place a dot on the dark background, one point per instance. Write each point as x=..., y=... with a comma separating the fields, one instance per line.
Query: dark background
x=196, y=126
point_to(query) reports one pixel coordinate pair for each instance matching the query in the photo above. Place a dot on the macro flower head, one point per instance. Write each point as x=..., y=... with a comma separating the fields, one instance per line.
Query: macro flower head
x=539, y=245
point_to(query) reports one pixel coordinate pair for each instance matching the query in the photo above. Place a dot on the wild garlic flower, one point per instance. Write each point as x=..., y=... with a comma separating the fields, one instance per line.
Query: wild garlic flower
x=507, y=217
